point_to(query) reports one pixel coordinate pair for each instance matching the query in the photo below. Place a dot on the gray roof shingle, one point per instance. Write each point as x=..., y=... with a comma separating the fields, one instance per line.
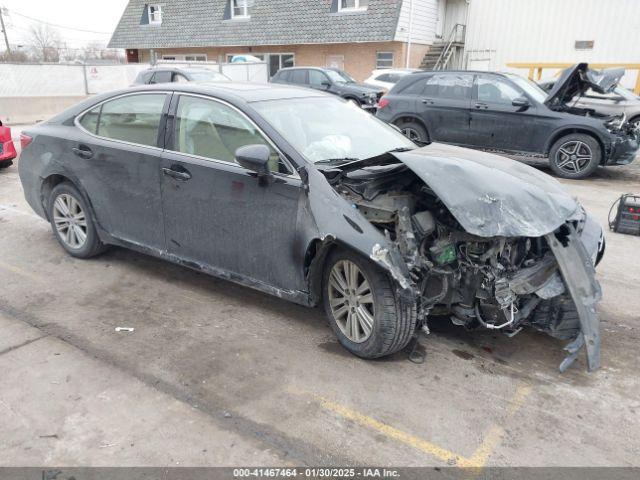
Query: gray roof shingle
x=201, y=23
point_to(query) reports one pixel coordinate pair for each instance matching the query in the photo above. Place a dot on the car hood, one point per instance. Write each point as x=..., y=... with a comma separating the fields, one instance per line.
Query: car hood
x=578, y=79
x=489, y=195
x=358, y=88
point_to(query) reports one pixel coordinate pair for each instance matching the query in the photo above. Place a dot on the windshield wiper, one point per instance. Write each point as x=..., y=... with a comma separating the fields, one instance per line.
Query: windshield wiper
x=336, y=161
x=400, y=149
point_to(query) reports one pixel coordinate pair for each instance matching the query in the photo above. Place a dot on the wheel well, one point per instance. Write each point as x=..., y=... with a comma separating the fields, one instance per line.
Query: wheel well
x=561, y=134
x=48, y=185
x=634, y=119
x=406, y=118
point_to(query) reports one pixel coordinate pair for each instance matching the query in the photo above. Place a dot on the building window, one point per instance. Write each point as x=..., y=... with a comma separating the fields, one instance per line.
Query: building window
x=155, y=14
x=353, y=4
x=275, y=61
x=241, y=8
x=384, y=60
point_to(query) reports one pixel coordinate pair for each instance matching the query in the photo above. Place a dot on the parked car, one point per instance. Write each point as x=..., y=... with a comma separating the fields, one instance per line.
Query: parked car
x=508, y=113
x=7, y=148
x=331, y=80
x=304, y=196
x=168, y=74
x=387, y=78
x=619, y=101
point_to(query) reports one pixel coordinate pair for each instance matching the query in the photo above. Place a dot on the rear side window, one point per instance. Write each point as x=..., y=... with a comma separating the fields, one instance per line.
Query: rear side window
x=133, y=119
x=415, y=87
x=453, y=86
x=298, y=77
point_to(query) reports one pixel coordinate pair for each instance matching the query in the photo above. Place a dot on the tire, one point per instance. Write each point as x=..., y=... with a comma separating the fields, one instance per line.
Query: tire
x=414, y=131
x=76, y=218
x=575, y=156
x=393, y=319
x=355, y=101
x=5, y=164
x=558, y=317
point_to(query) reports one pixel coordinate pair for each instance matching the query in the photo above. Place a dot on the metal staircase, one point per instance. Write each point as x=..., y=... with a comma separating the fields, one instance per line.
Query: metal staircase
x=440, y=54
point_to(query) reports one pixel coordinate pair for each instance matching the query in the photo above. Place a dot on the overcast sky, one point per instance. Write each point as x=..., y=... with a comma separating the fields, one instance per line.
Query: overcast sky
x=93, y=15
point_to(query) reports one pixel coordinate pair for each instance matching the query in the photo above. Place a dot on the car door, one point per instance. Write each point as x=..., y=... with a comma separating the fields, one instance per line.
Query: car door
x=443, y=104
x=319, y=80
x=216, y=213
x=497, y=124
x=117, y=160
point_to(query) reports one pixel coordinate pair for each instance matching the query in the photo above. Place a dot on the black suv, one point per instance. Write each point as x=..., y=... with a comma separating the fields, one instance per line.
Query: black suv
x=506, y=112
x=333, y=81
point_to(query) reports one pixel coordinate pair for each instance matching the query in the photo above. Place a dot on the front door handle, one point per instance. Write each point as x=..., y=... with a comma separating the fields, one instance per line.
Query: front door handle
x=426, y=101
x=83, y=152
x=182, y=175
x=480, y=105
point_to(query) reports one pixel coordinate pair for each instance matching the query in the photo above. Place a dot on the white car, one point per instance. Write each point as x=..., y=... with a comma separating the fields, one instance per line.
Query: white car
x=388, y=77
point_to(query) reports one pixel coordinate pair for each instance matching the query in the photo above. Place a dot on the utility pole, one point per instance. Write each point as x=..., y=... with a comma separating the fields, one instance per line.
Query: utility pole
x=4, y=30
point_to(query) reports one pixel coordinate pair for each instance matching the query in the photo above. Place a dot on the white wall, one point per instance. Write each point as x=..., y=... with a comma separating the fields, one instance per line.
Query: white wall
x=425, y=17
x=505, y=31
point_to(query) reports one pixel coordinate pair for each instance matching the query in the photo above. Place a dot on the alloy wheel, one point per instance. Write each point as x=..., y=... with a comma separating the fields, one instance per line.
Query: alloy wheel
x=573, y=157
x=411, y=134
x=351, y=301
x=70, y=221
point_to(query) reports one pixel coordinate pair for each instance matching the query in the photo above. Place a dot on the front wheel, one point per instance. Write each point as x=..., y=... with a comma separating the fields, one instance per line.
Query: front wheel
x=363, y=307
x=575, y=156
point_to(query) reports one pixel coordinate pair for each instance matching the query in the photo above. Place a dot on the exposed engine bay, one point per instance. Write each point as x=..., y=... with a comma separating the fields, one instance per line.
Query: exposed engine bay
x=496, y=283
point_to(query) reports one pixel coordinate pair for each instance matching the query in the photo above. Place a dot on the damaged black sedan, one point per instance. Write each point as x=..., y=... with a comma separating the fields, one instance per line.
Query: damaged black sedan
x=305, y=196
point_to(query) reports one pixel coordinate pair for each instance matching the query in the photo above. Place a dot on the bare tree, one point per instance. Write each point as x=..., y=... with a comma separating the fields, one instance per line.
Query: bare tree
x=46, y=42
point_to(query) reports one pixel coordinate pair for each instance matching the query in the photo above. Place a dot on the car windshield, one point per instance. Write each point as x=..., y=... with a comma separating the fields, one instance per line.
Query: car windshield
x=338, y=76
x=532, y=89
x=207, y=77
x=330, y=130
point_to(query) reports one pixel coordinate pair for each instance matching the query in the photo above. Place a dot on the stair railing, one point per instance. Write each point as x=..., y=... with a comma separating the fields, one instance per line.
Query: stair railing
x=447, y=51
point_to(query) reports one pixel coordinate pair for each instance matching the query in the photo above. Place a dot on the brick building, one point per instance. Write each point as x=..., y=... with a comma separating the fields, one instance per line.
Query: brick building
x=355, y=35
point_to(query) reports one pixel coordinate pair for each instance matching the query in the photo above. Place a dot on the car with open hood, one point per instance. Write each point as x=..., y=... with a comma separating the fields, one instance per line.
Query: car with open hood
x=504, y=112
x=331, y=80
x=305, y=196
x=618, y=102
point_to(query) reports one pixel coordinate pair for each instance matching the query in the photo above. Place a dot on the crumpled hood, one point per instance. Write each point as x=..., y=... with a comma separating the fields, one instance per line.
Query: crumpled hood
x=578, y=79
x=491, y=195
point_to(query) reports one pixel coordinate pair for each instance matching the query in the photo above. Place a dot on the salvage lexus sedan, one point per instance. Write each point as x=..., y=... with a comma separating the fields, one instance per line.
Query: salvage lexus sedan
x=305, y=196
x=508, y=113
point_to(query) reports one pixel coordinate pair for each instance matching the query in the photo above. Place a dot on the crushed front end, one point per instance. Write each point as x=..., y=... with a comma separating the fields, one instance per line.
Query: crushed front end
x=625, y=141
x=493, y=282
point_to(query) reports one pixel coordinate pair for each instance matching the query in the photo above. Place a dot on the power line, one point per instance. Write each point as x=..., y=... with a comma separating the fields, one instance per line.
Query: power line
x=58, y=26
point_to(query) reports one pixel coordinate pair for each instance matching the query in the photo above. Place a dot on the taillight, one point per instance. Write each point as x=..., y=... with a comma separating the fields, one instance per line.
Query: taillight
x=384, y=102
x=25, y=140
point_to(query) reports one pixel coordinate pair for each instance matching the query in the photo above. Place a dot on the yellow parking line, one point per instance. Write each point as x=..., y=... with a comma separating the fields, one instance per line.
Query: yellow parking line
x=389, y=431
x=23, y=273
x=477, y=460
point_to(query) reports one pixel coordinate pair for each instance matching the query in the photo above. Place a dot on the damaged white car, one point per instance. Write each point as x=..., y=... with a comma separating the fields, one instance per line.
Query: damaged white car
x=305, y=196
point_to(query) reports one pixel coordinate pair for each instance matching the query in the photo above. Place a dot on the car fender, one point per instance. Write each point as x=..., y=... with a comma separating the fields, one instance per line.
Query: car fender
x=576, y=128
x=326, y=220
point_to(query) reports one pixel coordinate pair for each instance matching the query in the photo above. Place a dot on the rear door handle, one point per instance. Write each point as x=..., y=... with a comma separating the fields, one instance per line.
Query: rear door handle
x=83, y=152
x=482, y=105
x=426, y=101
x=182, y=176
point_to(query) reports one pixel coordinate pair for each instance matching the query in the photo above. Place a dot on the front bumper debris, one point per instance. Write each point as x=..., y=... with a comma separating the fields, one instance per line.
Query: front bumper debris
x=578, y=273
x=623, y=150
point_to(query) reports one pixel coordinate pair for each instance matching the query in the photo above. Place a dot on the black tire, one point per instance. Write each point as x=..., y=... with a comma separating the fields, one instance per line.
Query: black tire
x=5, y=164
x=558, y=317
x=394, y=319
x=410, y=128
x=92, y=245
x=569, y=163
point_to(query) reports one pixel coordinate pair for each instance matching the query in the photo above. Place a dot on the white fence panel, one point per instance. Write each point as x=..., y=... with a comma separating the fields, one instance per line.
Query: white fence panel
x=19, y=80
x=104, y=78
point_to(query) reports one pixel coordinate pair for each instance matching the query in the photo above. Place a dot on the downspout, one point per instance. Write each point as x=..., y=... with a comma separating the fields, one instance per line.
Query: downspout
x=409, y=38
x=465, y=60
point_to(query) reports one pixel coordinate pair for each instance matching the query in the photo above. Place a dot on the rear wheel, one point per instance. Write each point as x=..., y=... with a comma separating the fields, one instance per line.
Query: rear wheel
x=5, y=164
x=575, y=156
x=413, y=131
x=363, y=308
x=71, y=222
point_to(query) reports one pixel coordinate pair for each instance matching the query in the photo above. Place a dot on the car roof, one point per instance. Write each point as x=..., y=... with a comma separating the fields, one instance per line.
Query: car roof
x=173, y=68
x=247, y=92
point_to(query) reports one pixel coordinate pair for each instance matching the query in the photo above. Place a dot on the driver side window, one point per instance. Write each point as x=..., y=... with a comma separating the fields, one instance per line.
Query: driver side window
x=494, y=90
x=316, y=78
x=211, y=129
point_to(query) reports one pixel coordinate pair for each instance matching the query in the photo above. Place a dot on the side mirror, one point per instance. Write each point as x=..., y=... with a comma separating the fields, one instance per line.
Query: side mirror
x=326, y=84
x=521, y=102
x=256, y=159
